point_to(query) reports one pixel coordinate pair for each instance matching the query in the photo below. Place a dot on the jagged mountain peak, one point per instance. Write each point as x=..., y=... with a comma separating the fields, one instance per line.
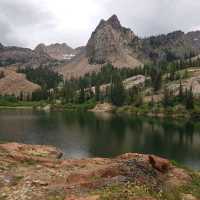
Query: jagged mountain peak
x=109, y=42
x=114, y=22
x=40, y=48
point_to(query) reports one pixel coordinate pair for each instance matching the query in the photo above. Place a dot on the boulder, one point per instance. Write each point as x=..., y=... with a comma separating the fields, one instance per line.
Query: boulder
x=160, y=164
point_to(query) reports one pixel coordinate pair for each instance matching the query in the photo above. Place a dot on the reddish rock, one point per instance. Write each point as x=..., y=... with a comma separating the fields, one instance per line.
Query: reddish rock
x=36, y=173
x=160, y=164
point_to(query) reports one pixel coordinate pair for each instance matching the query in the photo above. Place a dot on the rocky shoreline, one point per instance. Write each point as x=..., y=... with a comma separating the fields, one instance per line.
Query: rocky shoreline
x=38, y=172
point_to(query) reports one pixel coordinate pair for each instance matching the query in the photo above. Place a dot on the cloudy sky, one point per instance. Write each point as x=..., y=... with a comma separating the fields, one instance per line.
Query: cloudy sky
x=29, y=22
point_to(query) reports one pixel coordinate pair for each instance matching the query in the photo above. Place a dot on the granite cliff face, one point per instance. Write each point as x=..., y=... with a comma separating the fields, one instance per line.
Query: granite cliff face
x=110, y=42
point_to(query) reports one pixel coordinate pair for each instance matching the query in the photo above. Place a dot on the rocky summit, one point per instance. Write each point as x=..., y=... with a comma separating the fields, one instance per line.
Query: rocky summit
x=115, y=44
x=29, y=172
x=110, y=42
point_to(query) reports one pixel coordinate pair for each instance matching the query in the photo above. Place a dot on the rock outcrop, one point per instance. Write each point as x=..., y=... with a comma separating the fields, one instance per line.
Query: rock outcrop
x=37, y=172
x=110, y=43
x=129, y=83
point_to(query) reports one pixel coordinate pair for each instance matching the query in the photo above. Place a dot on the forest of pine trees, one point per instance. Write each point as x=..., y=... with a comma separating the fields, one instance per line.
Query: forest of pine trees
x=83, y=89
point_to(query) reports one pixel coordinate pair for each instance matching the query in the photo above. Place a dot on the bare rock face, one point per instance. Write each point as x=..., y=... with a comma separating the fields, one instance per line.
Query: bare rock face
x=109, y=42
x=57, y=51
x=174, y=45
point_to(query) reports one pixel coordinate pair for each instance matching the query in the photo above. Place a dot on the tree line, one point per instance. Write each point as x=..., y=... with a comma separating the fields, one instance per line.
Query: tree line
x=88, y=87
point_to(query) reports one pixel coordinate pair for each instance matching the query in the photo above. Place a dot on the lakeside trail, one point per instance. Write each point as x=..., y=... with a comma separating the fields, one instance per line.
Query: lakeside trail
x=30, y=172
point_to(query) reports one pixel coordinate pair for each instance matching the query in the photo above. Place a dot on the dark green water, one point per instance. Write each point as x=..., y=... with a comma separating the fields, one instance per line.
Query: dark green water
x=103, y=135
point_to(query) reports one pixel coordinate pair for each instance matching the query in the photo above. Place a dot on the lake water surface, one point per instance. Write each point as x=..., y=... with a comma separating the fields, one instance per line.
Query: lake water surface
x=81, y=135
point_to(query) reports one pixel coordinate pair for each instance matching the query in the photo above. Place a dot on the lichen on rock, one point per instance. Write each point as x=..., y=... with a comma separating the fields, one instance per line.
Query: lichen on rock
x=37, y=172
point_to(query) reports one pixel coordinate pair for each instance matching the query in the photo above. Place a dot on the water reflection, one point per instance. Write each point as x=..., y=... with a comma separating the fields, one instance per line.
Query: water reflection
x=104, y=135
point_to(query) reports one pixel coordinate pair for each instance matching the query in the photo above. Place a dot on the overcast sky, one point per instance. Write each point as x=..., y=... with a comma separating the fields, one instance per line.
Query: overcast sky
x=29, y=22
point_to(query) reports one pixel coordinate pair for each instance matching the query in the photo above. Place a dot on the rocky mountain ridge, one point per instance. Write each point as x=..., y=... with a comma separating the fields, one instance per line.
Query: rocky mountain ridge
x=57, y=51
x=24, y=56
x=115, y=44
x=169, y=47
x=109, y=43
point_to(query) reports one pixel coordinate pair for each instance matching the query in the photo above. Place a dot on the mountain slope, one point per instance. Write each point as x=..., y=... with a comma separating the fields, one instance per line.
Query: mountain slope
x=14, y=83
x=175, y=45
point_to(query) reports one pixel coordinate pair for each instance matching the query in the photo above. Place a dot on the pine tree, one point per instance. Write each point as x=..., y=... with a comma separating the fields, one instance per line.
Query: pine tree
x=172, y=73
x=118, y=93
x=180, y=93
x=97, y=92
x=189, y=99
x=21, y=96
x=156, y=79
x=82, y=95
x=167, y=97
x=152, y=103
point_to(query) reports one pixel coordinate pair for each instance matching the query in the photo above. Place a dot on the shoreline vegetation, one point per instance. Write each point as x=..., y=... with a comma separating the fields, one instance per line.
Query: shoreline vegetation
x=157, y=110
x=145, y=110
x=165, y=89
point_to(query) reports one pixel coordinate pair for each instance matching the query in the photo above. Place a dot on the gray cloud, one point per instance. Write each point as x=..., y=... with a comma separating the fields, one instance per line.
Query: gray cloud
x=27, y=23
x=18, y=16
x=147, y=17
